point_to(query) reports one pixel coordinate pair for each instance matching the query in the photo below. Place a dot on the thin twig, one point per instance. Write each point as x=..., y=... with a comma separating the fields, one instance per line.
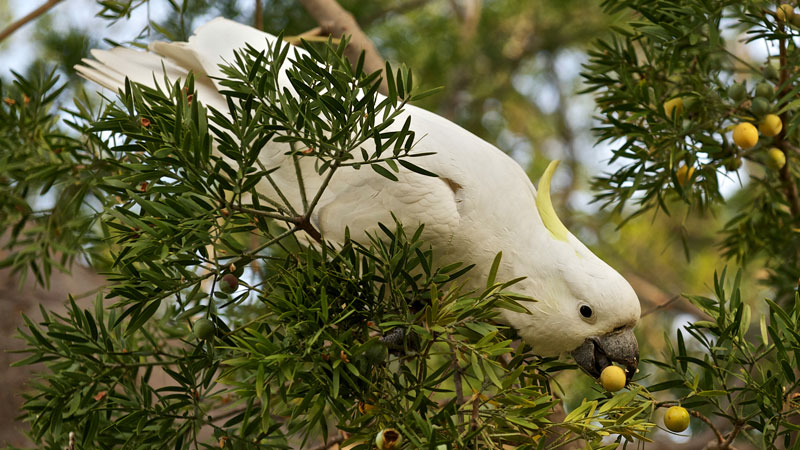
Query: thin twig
x=322, y=188
x=785, y=174
x=731, y=436
x=457, y=384
x=338, y=22
x=710, y=424
x=298, y=171
x=9, y=30
x=267, y=214
x=258, y=20
x=662, y=306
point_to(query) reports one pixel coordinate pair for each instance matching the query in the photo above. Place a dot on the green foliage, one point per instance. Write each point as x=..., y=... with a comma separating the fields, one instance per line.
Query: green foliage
x=359, y=337
x=726, y=369
x=48, y=176
x=163, y=195
x=685, y=49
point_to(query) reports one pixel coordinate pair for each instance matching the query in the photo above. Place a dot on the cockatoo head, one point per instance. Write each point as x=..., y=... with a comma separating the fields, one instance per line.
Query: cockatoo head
x=583, y=306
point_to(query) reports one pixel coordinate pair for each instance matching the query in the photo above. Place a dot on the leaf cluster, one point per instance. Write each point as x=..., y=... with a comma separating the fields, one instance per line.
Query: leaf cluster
x=684, y=51
x=730, y=370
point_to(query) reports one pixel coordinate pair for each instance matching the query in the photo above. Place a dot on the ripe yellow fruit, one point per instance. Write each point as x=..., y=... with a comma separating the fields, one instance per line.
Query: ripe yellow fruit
x=745, y=135
x=676, y=419
x=784, y=12
x=684, y=174
x=613, y=378
x=776, y=159
x=676, y=104
x=771, y=125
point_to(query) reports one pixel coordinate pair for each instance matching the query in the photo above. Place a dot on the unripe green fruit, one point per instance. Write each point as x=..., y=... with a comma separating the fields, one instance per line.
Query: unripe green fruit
x=204, y=329
x=770, y=72
x=760, y=106
x=737, y=92
x=677, y=419
x=765, y=90
x=733, y=164
x=229, y=283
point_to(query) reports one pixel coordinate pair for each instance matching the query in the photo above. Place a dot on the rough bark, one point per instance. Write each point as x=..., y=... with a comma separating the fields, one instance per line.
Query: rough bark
x=338, y=22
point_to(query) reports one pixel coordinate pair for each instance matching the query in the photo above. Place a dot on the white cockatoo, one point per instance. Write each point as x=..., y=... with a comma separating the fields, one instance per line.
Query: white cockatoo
x=481, y=203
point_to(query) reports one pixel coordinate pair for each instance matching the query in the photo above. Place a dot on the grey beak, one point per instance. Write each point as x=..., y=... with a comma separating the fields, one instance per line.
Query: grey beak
x=597, y=353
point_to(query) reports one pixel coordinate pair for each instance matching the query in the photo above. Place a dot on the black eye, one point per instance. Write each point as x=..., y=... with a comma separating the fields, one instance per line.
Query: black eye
x=586, y=311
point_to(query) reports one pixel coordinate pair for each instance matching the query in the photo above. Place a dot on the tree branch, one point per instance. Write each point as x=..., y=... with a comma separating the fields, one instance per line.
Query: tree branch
x=457, y=384
x=710, y=424
x=9, y=30
x=338, y=22
x=785, y=174
x=258, y=20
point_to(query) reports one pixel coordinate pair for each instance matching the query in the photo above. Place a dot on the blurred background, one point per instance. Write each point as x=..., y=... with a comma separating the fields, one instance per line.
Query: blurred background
x=511, y=73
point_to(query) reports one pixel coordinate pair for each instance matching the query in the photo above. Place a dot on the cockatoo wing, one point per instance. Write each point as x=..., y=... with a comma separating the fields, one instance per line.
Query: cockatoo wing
x=358, y=199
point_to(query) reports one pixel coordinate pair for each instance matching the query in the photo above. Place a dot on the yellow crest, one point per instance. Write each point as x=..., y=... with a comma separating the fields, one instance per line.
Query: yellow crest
x=545, y=205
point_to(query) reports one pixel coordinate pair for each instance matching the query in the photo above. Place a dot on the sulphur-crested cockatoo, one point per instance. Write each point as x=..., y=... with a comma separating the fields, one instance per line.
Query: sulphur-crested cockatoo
x=481, y=203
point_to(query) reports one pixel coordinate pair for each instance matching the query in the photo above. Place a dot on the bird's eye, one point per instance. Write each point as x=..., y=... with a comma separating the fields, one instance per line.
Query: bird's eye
x=586, y=311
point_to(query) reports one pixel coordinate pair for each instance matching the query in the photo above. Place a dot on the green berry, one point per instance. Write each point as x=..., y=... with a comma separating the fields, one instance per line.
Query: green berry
x=760, y=106
x=229, y=283
x=733, y=164
x=737, y=92
x=764, y=90
x=770, y=72
x=204, y=329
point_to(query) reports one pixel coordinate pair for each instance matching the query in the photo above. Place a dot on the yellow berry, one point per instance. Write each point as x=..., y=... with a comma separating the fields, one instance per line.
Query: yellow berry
x=676, y=104
x=613, y=378
x=776, y=159
x=676, y=419
x=684, y=174
x=785, y=12
x=745, y=135
x=771, y=125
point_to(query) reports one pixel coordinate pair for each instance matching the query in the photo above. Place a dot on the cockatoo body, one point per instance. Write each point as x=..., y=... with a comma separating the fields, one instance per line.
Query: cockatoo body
x=481, y=203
